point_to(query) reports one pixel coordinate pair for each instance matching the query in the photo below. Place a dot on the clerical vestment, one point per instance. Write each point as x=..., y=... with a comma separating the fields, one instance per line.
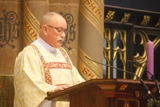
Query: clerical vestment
x=37, y=71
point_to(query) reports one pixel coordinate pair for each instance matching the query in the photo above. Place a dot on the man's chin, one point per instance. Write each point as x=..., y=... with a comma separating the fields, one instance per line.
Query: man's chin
x=59, y=45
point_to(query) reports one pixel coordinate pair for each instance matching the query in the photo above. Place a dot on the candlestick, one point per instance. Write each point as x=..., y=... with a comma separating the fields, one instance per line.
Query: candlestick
x=150, y=59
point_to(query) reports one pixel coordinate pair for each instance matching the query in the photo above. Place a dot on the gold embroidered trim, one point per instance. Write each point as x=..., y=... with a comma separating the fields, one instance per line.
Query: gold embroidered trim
x=65, y=56
x=47, y=74
x=46, y=66
x=58, y=65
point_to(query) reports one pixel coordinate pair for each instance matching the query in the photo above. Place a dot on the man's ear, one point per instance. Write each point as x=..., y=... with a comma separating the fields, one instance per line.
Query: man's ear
x=44, y=29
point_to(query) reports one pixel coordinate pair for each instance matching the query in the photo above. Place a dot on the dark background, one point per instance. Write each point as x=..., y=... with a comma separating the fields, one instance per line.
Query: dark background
x=150, y=5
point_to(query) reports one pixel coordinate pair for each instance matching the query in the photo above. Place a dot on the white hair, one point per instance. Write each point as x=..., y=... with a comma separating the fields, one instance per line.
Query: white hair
x=47, y=17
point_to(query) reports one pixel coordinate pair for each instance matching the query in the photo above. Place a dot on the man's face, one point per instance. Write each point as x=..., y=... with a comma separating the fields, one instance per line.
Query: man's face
x=56, y=30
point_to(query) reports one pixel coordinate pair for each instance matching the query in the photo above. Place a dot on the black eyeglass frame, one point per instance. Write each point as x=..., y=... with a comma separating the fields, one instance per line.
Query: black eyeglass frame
x=59, y=29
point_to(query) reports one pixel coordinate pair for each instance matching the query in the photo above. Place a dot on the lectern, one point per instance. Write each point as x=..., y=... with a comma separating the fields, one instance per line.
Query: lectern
x=106, y=93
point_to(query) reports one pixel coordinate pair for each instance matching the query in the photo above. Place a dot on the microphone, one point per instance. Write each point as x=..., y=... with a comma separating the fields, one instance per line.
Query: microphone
x=142, y=82
x=153, y=78
x=112, y=67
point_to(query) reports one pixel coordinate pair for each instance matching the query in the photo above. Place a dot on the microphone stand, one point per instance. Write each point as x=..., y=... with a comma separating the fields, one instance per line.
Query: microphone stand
x=145, y=86
x=157, y=86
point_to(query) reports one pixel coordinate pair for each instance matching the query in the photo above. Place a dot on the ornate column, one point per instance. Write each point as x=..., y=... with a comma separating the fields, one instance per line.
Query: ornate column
x=91, y=38
x=32, y=14
x=10, y=34
x=10, y=46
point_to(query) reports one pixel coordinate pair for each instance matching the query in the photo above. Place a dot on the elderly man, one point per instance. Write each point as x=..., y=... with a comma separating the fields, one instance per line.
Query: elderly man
x=44, y=65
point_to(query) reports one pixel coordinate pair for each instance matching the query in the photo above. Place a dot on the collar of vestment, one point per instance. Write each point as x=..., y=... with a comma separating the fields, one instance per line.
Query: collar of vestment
x=40, y=42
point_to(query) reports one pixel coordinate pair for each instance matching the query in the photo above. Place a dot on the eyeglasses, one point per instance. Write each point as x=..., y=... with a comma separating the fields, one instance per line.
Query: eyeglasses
x=59, y=29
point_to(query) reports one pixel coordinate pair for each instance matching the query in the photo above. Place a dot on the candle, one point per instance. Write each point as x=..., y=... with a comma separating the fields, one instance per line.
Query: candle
x=150, y=59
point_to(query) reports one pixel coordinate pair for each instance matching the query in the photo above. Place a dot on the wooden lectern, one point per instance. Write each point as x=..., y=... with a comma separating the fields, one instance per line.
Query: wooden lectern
x=106, y=93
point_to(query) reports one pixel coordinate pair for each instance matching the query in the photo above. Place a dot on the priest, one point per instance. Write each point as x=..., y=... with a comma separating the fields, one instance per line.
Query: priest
x=44, y=66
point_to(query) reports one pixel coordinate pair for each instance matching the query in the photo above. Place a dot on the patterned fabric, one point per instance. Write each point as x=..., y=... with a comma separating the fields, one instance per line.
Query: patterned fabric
x=45, y=66
x=52, y=65
x=29, y=75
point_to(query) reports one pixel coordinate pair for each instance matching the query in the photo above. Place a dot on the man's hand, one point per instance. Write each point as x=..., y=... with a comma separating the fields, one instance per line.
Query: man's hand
x=60, y=87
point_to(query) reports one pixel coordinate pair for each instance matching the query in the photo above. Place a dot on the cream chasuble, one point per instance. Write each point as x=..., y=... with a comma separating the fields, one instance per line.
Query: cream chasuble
x=31, y=81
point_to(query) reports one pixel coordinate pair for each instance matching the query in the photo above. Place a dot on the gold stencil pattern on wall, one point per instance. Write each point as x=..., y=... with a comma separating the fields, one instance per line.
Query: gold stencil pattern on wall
x=93, y=12
x=91, y=38
x=31, y=26
x=89, y=70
